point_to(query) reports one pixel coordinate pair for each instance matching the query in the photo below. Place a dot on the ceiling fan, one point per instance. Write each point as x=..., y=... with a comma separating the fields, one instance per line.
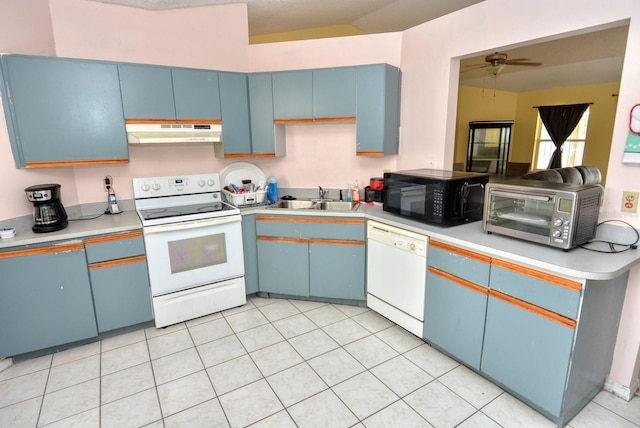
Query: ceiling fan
x=497, y=61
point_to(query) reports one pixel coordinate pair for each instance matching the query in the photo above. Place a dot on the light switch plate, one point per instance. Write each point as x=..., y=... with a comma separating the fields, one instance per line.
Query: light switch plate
x=629, y=201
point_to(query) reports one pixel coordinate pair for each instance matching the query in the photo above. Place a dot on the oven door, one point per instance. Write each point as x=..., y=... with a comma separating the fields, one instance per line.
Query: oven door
x=193, y=253
x=524, y=215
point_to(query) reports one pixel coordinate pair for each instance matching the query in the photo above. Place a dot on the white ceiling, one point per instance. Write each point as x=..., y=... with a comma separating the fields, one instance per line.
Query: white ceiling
x=579, y=60
x=585, y=59
x=277, y=16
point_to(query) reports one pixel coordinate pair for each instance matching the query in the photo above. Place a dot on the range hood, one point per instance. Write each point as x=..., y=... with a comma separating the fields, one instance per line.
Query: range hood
x=164, y=133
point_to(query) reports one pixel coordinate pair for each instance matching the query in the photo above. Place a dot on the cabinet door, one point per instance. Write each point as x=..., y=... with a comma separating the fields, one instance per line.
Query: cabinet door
x=267, y=138
x=46, y=298
x=121, y=292
x=147, y=92
x=236, y=136
x=114, y=246
x=454, y=315
x=63, y=111
x=334, y=92
x=336, y=269
x=557, y=294
x=196, y=94
x=378, y=110
x=283, y=265
x=293, y=94
x=250, y=253
x=527, y=350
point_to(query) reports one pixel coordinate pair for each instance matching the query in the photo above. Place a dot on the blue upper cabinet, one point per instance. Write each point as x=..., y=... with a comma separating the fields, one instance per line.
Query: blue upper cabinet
x=293, y=94
x=165, y=93
x=334, y=93
x=147, y=92
x=197, y=94
x=62, y=112
x=234, y=96
x=267, y=139
x=378, y=110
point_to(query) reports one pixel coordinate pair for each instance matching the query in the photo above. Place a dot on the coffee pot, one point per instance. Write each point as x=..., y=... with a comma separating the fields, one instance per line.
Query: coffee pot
x=48, y=213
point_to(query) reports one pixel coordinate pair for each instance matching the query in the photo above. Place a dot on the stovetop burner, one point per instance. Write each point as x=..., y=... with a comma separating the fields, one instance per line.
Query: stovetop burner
x=166, y=200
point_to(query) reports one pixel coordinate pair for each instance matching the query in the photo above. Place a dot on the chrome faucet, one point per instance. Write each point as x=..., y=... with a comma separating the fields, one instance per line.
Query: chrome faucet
x=322, y=193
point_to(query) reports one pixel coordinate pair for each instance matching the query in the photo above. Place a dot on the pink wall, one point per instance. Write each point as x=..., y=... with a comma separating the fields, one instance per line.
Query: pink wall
x=16, y=16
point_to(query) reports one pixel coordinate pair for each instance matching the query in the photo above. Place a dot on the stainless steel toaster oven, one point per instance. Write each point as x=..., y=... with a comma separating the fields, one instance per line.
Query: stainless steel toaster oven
x=556, y=214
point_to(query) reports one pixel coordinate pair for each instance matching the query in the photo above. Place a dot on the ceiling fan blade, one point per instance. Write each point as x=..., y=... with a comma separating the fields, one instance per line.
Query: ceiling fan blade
x=520, y=62
x=476, y=66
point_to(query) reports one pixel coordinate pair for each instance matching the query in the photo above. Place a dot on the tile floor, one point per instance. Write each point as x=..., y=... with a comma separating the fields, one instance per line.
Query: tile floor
x=270, y=363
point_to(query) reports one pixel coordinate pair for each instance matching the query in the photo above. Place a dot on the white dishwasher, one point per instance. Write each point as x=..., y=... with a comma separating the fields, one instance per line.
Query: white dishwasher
x=396, y=274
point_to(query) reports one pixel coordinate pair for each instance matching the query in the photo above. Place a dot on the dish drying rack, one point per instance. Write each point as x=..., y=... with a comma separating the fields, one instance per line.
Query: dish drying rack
x=246, y=199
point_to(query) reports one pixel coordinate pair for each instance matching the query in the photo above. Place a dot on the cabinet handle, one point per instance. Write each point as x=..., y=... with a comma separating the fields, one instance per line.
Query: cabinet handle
x=369, y=153
x=302, y=219
x=462, y=282
x=42, y=250
x=283, y=240
x=118, y=262
x=116, y=237
x=546, y=277
x=85, y=162
x=336, y=242
x=460, y=251
x=552, y=316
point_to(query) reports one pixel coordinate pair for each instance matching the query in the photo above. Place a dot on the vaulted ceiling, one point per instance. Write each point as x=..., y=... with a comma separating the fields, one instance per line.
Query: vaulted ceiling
x=590, y=58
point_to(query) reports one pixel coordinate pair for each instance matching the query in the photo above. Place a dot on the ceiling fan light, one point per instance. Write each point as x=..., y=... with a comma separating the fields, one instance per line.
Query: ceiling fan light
x=495, y=70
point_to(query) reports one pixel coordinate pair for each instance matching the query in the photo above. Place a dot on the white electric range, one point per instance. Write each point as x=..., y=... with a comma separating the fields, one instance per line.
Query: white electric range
x=194, y=246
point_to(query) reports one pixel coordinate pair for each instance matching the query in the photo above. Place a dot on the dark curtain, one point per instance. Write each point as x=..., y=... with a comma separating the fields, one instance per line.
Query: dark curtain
x=560, y=122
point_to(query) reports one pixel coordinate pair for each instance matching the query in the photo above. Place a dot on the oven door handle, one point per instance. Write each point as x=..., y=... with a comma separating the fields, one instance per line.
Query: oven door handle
x=193, y=224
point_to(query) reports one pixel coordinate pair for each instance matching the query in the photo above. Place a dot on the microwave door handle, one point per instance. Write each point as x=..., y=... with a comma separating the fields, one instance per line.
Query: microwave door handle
x=464, y=195
x=504, y=194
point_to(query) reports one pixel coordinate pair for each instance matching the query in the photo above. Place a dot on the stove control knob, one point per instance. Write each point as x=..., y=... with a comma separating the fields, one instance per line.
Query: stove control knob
x=145, y=187
x=211, y=182
x=201, y=183
x=156, y=186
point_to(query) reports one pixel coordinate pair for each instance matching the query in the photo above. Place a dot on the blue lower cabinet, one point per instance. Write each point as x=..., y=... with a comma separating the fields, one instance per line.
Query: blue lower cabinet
x=250, y=253
x=455, y=311
x=312, y=256
x=336, y=269
x=528, y=350
x=121, y=293
x=46, y=298
x=283, y=265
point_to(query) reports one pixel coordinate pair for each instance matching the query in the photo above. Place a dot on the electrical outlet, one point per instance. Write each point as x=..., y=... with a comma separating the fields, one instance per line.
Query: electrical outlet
x=629, y=201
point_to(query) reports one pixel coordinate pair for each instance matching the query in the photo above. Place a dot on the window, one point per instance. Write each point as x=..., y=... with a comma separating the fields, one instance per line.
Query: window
x=572, y=149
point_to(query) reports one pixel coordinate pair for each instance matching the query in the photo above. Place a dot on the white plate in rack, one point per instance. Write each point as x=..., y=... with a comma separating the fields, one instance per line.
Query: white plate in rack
x=238, y=171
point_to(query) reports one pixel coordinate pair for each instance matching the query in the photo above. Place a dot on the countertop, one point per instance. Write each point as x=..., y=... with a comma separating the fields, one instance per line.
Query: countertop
x=106, y=223
x=577, y=263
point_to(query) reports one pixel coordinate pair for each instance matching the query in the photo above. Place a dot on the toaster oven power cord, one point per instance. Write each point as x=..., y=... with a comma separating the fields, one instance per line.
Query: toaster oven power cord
x=614, y=247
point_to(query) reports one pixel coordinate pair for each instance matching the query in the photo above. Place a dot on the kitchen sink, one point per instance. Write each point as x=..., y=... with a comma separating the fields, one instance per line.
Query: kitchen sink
x=315, y=205
x=336, y=205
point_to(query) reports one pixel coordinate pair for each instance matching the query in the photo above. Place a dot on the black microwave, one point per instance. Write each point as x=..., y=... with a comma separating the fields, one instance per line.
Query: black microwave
x=444, y=198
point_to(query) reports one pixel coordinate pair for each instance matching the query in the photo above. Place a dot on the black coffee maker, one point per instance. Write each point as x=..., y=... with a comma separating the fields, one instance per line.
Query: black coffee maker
x=48, y=213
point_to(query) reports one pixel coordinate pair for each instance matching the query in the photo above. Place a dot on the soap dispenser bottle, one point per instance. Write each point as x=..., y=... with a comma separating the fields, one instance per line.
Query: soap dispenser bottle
x=272, y=189
x=355, y=194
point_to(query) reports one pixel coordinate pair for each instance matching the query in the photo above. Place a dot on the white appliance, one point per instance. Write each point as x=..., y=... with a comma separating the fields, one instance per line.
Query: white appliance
x=396, y=275
x=194, y=247
x=162, y=133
